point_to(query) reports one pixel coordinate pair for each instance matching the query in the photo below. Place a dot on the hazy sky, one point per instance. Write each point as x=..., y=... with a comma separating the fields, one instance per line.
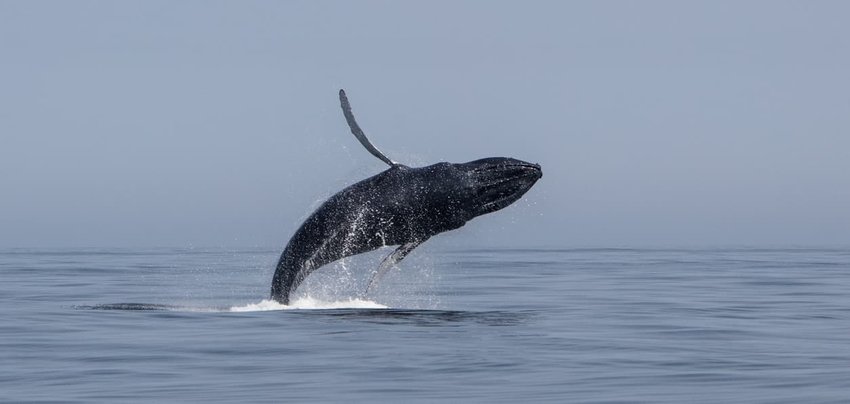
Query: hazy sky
x=212, y=123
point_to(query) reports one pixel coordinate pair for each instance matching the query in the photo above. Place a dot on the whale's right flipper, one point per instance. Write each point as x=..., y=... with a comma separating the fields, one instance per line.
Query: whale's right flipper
x=358, y=133
x=391, y=260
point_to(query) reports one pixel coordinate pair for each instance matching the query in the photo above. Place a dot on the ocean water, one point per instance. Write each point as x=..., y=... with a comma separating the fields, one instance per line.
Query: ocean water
x=530, y=325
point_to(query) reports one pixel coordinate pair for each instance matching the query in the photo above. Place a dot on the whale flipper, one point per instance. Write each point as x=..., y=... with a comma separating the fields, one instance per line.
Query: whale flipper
x=358, y=133
x=394, y=258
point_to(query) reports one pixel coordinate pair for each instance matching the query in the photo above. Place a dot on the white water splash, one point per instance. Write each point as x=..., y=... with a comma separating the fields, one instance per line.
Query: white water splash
x=309, y=303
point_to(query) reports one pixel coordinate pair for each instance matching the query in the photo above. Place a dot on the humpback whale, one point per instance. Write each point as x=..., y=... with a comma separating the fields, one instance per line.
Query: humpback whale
x=401, y=206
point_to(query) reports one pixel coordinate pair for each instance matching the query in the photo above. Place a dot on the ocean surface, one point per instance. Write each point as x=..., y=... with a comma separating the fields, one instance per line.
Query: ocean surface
x=492, y=325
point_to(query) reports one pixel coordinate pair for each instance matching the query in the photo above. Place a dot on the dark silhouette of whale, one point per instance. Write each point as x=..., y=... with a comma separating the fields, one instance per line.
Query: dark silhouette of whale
x=401, y=206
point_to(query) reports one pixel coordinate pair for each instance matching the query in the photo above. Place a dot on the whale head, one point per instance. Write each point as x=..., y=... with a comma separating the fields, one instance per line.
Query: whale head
x=458, y=192
x=494, y=183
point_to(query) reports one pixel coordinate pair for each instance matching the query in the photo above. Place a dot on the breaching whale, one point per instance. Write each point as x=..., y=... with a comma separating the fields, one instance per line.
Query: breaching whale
x=401, y=206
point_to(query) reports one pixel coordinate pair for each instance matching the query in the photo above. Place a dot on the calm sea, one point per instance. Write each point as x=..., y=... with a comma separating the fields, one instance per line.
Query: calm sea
x=531, y=325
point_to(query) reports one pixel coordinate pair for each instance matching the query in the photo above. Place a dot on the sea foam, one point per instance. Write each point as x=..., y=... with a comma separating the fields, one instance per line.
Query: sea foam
x=309, y=303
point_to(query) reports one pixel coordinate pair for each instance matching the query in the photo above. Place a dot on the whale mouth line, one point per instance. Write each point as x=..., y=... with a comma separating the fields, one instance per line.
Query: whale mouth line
x=505, y=174
x=504, y=200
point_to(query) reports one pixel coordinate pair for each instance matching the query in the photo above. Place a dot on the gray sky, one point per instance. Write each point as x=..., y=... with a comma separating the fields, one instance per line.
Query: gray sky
x=212, y=123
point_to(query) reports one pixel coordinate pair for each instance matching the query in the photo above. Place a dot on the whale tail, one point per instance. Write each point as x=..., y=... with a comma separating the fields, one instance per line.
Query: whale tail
x=287, y=276
x=280, y=293
x=282, y=284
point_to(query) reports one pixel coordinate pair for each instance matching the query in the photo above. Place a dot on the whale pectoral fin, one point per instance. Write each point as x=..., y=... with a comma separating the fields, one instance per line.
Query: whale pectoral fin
x=394, y=258
x=358, y=133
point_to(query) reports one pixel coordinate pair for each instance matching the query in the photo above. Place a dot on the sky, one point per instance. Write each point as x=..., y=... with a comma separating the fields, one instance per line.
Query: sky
x=217, y=124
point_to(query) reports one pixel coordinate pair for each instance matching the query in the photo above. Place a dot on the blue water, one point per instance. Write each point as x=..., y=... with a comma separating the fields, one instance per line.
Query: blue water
x=571, y=325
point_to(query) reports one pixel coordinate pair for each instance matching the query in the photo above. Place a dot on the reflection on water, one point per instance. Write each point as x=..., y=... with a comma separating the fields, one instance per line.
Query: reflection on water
x=130, y=307
x=433, y=318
